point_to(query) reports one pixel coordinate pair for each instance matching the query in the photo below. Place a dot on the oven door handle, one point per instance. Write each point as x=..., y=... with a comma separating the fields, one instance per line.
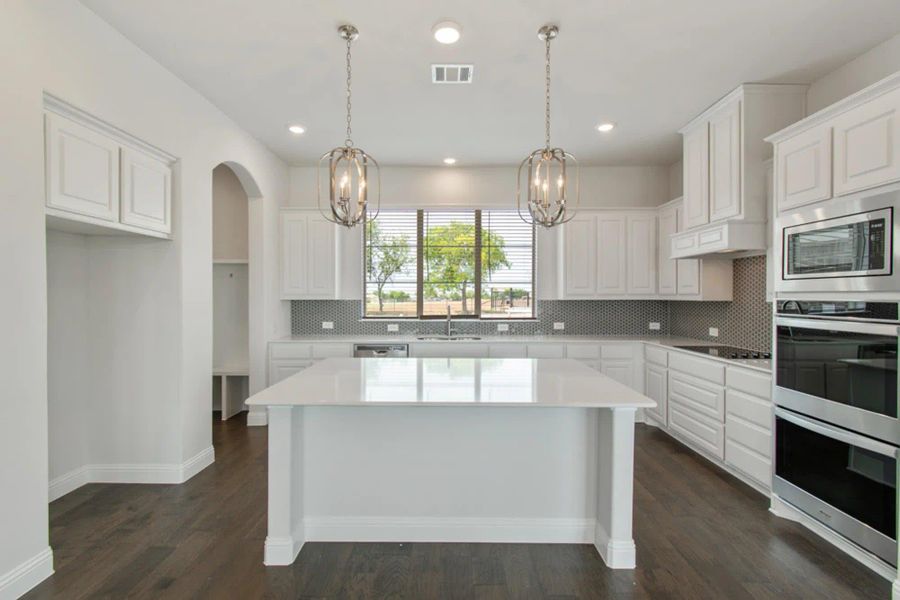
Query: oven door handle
x=835, y=325
x=838, y=434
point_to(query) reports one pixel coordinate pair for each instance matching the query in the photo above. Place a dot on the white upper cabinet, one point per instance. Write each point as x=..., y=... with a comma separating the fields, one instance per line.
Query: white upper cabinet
x=668, y=225
x=82, y=169
x=307, y=255
x=804, y=163
x=612, y=266
x=696, y=176
x=580, y=256
x=850, y=146
x=641, y=267
x=867, y=145
x=725, y=162
x=99, y=178
x=146, y=192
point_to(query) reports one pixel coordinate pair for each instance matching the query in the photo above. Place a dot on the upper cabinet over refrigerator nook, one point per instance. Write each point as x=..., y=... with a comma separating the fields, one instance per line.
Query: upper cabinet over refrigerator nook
x=850, y=146
x=724, y=173
x=102, y=180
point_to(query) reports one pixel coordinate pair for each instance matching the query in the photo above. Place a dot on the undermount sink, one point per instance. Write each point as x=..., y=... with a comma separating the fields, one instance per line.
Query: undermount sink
x=444, y=338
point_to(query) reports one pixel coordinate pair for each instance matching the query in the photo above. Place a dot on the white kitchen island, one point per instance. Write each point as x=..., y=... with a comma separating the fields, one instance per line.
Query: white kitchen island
x=451, y=450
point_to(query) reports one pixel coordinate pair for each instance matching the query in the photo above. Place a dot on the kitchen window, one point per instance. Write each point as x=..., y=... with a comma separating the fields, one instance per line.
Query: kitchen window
x=480, y=263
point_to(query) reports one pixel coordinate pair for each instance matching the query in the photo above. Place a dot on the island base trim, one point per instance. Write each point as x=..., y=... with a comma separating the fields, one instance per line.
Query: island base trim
x=617, y=554
x=442, y=529
x=281, y=551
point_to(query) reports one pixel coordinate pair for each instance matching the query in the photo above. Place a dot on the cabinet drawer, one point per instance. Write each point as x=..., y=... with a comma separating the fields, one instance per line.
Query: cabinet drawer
x=290, y=350
x=698, y=367
x=749, y=408
x=330, y=349
x=755, y=466
x=546, y=351
x=280, y=370
x=656, y=356
x=755, y=384
x=507, y=351
x=700, y=395
x=751, y=437
x=449, y=350
x=706, y=433
x=583, y=351
x=617, y=351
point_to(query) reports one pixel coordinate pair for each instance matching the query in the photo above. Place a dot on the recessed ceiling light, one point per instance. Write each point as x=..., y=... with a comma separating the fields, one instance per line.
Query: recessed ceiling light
x=604, y=127
x=446, y=32
x=296, y=129
x=449, y=161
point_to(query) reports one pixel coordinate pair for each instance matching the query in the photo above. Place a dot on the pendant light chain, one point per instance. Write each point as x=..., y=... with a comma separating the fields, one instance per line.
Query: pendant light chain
x=349, y=141
x=547, y=94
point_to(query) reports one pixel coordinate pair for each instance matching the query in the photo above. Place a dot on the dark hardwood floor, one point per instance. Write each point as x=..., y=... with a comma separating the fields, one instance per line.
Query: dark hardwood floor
x=700, y=534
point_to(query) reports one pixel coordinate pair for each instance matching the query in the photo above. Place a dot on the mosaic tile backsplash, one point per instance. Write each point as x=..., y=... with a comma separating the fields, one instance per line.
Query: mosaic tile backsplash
x=745, y=322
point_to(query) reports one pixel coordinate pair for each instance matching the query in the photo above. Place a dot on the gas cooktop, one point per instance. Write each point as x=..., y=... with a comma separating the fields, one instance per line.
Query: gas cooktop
x=729, y=352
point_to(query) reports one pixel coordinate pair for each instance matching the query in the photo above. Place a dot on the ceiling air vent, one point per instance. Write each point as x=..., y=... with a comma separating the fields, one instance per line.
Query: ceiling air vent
x=452, y=73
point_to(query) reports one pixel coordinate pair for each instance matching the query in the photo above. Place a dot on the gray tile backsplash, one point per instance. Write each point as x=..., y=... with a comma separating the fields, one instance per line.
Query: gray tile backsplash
x=744, y=322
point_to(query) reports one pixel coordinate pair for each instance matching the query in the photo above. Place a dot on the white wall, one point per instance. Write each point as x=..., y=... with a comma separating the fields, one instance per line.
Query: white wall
x=157, y=318
x=496, y=186
x=676, y=180
x=862, y=71
x=230, y=209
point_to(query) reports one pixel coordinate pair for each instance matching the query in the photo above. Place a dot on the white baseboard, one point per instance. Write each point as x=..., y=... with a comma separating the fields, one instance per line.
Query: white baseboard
x=617, y=554
x=433, y=529
x=780, y=508
x=257, y=418
x=131, y=473
x=281, y=551
x=18, y=581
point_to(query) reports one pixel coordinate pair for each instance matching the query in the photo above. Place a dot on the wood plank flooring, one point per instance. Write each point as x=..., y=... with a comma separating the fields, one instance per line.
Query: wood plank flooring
x=700, y=534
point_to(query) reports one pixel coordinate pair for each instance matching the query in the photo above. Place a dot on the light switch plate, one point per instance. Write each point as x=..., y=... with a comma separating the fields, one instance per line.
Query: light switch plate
x=393, y=327
x=559, y=326
x=502, y=326
x=327, y=324
x=714, y=332
x=654, y=326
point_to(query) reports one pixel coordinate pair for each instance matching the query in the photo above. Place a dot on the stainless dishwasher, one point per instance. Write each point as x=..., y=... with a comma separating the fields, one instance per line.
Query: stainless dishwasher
x=381, y=350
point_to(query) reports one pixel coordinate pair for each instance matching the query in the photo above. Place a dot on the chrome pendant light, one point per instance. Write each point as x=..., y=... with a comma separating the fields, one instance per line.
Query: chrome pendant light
x=545, y=176
x=350, y=170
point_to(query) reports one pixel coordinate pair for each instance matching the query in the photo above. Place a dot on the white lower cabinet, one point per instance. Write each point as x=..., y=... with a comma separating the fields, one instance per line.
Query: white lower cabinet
x=280, y=369
x=655, y=387
x=748, y=425
x=703, y=431
x=507, y=351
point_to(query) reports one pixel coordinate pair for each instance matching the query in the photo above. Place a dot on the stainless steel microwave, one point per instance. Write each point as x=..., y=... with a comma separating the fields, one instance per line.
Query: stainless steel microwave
x=846, y=245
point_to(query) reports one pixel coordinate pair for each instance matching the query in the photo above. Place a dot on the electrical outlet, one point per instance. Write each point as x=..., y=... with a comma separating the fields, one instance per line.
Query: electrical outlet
x=654, y=326
x=327, y=324
x=393, y=327
x=714, y=332
x=502, y=326
x=559, y=326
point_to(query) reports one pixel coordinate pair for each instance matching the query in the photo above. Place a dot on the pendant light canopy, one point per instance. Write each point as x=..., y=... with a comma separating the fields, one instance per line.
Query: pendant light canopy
x=351, y=172
x=544, y=179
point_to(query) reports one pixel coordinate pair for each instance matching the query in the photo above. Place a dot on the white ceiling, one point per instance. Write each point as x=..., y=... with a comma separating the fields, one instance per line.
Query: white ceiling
x=649, y=65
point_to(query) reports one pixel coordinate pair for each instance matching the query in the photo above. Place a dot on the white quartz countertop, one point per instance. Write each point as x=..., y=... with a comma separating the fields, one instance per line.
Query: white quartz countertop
x=509, y=382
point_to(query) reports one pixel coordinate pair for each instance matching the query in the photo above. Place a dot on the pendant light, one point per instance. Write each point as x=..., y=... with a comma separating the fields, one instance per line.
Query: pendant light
x=546, y=174
x=348, y=168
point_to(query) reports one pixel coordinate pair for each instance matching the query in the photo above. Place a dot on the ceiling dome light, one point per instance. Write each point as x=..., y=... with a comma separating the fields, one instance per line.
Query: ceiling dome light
x=605, y=127
x=446, y=32
x=449, y=161
x=296, y=129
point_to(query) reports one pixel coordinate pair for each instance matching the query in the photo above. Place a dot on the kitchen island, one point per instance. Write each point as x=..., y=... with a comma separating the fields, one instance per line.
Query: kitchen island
x=451, y=450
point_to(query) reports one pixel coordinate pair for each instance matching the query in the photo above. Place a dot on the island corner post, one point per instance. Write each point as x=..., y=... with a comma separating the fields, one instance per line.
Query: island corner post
x=538, y=472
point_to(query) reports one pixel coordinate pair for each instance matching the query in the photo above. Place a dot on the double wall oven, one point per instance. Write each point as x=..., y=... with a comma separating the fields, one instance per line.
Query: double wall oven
x=836, y=418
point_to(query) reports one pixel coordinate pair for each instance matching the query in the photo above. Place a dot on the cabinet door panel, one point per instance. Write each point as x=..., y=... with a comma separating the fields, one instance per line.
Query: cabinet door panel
x=146, y=192
x=82, y=170
x=725, y=163
x=667, y=271
x=641, y=269
x=320, y=252
x=655, y=389
x=867, y=145
x=580, y=239
x=620, y=370
x=804, y=169
x=688, y=277
x=294, y=245
x=611, y=257
x=696, y=177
